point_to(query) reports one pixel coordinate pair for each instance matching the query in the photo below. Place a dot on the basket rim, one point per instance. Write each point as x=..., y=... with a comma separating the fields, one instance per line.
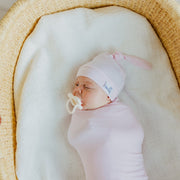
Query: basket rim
x=170, y=9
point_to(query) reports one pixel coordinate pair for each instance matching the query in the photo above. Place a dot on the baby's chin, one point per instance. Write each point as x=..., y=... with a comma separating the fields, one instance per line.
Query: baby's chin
x=91, y=107
x=85, y=107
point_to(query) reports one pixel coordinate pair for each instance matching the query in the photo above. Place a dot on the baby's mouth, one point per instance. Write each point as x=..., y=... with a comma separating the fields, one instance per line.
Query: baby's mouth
x=82, y=103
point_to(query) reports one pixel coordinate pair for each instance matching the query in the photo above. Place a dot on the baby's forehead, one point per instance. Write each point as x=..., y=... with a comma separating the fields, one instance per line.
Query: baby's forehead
x=85, y=80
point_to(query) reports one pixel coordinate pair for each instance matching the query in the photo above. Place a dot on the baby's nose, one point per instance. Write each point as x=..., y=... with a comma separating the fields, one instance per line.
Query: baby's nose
x=77, y=91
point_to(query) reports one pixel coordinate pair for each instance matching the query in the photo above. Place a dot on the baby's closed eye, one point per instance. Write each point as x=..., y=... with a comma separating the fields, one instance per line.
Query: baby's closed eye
x=85, y=86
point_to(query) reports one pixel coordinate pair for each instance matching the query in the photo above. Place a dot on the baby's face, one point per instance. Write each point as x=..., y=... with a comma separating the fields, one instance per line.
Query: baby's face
x=90, y=93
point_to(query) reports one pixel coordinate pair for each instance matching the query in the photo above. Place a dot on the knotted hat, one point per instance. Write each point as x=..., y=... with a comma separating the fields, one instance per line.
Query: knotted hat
x=105, y=69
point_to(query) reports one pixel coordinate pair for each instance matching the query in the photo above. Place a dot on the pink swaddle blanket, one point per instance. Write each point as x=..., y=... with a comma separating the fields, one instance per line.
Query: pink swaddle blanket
x=109, y=141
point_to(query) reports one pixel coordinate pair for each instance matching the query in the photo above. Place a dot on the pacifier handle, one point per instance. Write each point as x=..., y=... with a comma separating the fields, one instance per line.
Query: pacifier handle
x=75, y=101
x=67, y=106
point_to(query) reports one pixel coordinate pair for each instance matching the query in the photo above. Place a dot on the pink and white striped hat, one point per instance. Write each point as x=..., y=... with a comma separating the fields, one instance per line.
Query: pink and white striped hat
x=106, y=71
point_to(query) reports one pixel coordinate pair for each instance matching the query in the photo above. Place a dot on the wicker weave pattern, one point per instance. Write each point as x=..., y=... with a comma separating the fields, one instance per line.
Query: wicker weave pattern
x=164, y=16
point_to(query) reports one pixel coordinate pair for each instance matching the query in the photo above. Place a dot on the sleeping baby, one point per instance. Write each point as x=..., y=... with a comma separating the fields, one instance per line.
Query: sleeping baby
x=103, y=130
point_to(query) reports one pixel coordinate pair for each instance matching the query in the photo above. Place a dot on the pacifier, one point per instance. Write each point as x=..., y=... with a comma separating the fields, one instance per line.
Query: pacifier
x=75, y=101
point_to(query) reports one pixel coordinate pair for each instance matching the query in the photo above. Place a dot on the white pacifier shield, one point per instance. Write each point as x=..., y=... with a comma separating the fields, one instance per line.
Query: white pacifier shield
x=75, y=101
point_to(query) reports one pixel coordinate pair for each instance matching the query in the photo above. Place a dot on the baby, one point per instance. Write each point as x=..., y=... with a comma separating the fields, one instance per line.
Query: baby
x=104, y=131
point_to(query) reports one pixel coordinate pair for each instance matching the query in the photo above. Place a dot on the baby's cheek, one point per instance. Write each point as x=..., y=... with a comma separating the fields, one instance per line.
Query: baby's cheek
x=89, y=98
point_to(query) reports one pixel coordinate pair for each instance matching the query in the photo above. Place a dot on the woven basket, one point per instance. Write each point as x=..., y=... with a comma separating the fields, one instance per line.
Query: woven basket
x=18, y=23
